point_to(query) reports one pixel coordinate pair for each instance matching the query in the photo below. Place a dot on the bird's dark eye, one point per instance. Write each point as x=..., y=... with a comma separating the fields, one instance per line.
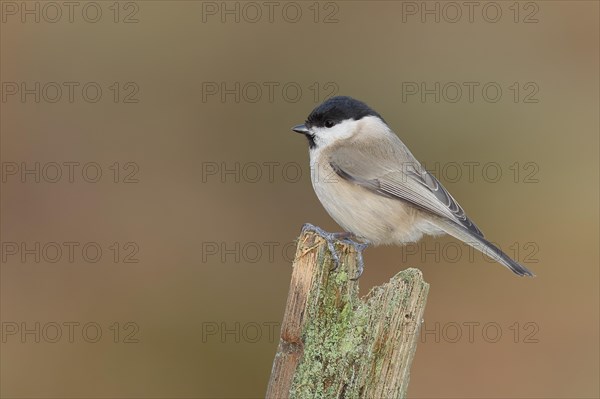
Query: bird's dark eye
x=329, y=123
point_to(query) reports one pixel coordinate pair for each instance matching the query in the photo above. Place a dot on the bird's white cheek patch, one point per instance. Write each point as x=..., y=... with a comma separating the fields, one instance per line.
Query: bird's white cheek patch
x=343, y=130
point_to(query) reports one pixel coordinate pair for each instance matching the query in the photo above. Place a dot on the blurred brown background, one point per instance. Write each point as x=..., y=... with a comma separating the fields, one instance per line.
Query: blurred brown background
x=205, y=186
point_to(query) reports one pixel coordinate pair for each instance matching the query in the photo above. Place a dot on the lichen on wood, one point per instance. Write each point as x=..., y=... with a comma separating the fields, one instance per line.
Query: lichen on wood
x=336, y=345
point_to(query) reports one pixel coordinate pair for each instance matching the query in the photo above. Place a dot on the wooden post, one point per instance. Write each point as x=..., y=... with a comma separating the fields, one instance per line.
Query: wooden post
x=336, y=345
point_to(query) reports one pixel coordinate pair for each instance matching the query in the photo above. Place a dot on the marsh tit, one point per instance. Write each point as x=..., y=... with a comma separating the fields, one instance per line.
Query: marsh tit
x=375, y=189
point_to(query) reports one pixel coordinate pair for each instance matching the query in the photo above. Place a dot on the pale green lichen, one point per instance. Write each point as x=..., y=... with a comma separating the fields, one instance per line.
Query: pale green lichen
x=328, y=337
x=335, y=334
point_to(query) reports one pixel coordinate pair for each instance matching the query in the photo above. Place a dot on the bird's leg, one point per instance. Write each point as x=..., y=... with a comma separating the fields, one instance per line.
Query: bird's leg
x=345, y=236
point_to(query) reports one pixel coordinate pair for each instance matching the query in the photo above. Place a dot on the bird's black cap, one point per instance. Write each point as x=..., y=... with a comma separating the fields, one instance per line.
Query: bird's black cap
x=337, y=109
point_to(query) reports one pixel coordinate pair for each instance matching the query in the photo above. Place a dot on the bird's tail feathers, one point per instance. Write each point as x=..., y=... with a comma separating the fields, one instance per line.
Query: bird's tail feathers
x=484, y=246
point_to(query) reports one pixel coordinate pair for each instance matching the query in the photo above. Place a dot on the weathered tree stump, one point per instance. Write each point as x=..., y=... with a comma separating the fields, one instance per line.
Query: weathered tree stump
x=334, y=344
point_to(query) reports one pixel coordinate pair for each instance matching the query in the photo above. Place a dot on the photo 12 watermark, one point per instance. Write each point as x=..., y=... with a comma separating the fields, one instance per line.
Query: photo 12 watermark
x=55, y=12
x=69, y=252
x=253, y=12
x=454, y=12
x=266, y=91
x=485, y=172
x=71, y=172
x=247, y=332
x=251, y=172
x=470, y=92
x=236, y=252
x=90, y=92
x=488, y=332
x=71, y=332
x=460, y=252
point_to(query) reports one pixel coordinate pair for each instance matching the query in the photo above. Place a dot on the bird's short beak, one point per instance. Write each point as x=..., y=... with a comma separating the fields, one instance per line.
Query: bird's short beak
x=300, y=129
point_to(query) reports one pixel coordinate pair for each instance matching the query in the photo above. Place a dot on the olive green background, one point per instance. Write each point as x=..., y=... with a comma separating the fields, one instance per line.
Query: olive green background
x=178, y=292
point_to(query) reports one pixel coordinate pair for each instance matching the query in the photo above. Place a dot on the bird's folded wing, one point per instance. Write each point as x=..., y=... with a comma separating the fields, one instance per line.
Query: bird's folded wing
x=392, y=171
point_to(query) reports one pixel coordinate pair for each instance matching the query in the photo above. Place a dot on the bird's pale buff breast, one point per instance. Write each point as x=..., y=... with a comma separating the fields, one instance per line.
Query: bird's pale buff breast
x=377, y=219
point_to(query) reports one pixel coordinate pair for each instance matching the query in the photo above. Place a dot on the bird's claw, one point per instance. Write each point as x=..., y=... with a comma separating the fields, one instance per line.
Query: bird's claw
x=360, y=264
x=331, y=238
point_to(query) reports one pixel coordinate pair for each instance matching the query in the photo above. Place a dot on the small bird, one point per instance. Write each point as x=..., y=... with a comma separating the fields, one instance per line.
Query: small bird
x=375, y=189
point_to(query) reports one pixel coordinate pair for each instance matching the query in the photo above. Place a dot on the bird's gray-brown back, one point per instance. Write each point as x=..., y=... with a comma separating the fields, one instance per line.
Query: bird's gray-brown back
x=388, y=168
